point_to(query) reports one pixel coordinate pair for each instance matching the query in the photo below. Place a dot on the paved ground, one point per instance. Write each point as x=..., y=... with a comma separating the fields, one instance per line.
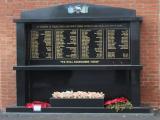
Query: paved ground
x=79, y=116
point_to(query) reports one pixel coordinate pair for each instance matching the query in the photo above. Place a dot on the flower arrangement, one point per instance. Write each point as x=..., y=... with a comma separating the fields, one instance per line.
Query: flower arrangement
x=42, y=104
x=118, y=104
x=78, y=95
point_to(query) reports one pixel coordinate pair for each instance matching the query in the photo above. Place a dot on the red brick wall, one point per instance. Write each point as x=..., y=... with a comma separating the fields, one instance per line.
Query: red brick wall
x=150, y=46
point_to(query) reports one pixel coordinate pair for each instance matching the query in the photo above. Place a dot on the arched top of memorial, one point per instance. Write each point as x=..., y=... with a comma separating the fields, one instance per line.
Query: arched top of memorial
x=77, y=10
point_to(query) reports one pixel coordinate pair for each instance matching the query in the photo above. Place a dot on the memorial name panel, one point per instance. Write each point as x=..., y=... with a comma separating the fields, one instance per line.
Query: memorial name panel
x=66, y=44
x=118, y=43
x=80, y=43
x=92, y=43
x=41, y=44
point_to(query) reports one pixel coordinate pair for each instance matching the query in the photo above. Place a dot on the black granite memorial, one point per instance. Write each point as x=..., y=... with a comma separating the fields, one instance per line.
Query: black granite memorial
x=77, y=47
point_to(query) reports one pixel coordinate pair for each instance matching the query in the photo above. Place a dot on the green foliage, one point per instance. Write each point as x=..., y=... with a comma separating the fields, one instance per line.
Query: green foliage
x=120, y=106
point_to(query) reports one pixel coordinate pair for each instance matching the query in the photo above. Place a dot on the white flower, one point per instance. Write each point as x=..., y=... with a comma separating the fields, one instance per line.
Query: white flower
x=78, y=95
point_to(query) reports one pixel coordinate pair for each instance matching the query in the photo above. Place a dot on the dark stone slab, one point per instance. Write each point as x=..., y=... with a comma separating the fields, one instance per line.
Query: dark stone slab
x=78, y=67
x=78, y=110
x=77, y=102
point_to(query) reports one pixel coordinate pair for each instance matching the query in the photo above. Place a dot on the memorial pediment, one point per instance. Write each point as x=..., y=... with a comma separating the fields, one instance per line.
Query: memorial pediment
x=78, y=10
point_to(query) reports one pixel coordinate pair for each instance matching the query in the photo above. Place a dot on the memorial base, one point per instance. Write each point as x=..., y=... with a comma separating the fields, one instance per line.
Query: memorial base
x=79, y=110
